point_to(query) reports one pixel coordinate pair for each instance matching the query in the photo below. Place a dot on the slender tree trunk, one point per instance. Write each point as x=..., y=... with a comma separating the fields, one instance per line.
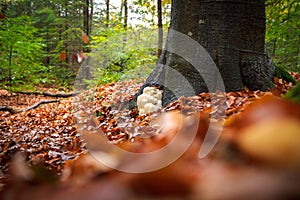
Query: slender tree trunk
x=298, y=52
x=274, y=47
x=121, y=11
x=86, y=19
x=160, y=27
x=66, y=28
x=47, y=47
x=107, y=13
x=125, y=14
x=60, y=32
x=10, y=65
x=3, y=10
x=91, y=16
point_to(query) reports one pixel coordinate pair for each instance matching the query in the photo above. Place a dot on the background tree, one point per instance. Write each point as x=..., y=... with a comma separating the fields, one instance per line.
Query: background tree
x=3, y=10
x=21, y=53
x=233, y=33
x=125, y=3
x=86, y=16
x=107, y=12
x=160, y=27
x=283, y=36
x=58, y=26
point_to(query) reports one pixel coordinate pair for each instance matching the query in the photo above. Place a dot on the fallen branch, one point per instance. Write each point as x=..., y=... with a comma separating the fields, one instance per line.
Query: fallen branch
x=13, y=111
x=47, y=94
x=9, y=109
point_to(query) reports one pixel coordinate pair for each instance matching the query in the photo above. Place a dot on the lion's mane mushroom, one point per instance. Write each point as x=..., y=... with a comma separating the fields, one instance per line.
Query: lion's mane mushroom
x=150, y=100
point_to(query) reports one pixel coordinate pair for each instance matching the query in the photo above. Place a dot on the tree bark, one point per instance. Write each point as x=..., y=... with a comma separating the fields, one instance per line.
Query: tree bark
x=86, y=18
x=125, y=14
x=91, y=15
x=160, y=26
x=232, y=32
x=66, y=28
x=10, y=65
x=107, y=13
x=3, y=9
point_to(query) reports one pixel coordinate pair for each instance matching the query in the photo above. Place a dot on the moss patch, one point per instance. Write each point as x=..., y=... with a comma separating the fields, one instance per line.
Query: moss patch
x=294, y=93
x=282, y=73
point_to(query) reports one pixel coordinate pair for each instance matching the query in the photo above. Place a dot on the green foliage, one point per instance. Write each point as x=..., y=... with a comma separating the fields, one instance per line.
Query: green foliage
x=148, y=10
x=33, y=34
x=294, y=93
x=283, y=33
x=282, y=73
x=123, y=54
x=48, y=24
x=21, y=52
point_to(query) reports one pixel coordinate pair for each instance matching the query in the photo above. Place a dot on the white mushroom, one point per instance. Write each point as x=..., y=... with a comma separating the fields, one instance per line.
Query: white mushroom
x=150, y=100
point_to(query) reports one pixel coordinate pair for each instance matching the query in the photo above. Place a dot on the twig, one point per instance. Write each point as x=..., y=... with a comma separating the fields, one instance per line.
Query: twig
x=51, y=94
x=13, y=111
x=9, y=109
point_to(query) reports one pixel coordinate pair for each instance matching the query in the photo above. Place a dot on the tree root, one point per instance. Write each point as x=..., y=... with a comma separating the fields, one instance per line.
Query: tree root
x=13, y=111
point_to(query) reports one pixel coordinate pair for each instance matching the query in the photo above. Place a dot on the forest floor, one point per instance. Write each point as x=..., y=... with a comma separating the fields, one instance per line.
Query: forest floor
x=47, y=139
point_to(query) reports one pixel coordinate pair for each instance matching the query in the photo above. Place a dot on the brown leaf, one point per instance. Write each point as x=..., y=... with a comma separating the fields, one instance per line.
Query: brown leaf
x=273, y=141
x=268, y=107
x=82, y=170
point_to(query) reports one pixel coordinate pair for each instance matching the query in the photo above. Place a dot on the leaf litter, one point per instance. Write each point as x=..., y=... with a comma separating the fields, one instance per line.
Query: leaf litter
x=49, y=135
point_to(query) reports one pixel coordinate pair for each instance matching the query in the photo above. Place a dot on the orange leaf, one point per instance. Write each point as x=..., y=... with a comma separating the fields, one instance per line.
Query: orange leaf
x=85, y=38
x=62, y=56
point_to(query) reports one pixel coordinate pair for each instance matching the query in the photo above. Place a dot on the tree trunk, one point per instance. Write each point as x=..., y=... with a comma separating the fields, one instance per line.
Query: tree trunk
x=232, y=32
x=3, y=9
x=86, y=18
x=10, y=65
x=66, y=28
x=160, y=26
x=107, y=13
x=125, y=14
x=91, y=15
